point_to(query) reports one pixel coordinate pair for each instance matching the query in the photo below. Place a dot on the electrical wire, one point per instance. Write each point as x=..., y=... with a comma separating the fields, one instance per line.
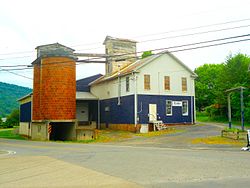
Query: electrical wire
x=172, y=31
x=158, y=49
x=197, y=33
x=193, y=48
x=17, y=74
x=193, y=28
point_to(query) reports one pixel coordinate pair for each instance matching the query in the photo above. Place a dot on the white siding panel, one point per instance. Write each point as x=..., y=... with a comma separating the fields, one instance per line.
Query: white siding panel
x=165, y=66
x=109, y=89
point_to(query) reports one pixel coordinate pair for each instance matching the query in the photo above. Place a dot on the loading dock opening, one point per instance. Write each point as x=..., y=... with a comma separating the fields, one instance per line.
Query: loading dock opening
x=62, y=131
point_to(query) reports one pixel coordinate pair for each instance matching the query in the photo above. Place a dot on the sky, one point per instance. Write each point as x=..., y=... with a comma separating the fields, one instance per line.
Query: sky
x=83, y=26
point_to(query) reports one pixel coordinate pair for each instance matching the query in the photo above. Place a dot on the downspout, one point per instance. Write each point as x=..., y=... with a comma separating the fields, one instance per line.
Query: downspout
x=119, y=86
x=192, y=111
x=98, y=114
x=135, y=99
x=31, y=118
x=192, y=100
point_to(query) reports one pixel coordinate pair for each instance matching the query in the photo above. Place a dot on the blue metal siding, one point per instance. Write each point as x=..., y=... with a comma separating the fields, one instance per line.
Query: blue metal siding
x=25, y=112
x=124, y=114
x=160, y=101
x=118, y=114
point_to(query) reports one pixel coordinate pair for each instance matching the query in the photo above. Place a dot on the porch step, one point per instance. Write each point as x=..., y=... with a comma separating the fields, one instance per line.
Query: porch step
x=159, y=125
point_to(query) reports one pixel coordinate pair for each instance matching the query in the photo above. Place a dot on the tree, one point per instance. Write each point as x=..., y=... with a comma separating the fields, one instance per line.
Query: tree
x=235, y=73
x=1, y=121
x=214, y=79
x=12, y=119
x=146, y=54
x=206, y=85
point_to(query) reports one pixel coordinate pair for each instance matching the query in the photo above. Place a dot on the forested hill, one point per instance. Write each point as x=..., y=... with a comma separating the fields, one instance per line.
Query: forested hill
x=9, y=94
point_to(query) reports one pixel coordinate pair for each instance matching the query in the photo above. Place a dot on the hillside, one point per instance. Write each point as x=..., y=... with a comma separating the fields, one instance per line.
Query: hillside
x=9, y=94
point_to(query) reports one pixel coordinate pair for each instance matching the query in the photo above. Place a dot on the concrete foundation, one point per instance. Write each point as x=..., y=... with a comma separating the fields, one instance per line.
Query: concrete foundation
x=59, y=131
x=122, y=127
x=25, y=129
x=86, y=134
x=39, y=131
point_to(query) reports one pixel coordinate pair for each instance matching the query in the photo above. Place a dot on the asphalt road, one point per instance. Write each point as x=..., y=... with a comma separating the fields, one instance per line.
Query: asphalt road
x=51, y=164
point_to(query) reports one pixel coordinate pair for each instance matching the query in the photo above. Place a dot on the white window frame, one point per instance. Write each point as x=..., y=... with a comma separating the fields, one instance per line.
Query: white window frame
x=170, y=114
x=186, y=113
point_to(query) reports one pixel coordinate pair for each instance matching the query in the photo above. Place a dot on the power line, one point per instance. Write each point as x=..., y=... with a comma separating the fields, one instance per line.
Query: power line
x=178, y=30
x=159, y=49
x=192, y=28
x=17, y=74
x=197, y=33
x=170, y=37
x=171, y=47
x=211, y=45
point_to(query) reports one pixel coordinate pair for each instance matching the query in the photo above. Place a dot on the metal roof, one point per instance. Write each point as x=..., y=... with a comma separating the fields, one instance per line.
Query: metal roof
x=134, y=67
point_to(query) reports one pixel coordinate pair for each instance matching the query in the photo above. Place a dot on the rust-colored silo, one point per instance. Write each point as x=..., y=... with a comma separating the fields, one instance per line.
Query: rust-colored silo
x=54, y=86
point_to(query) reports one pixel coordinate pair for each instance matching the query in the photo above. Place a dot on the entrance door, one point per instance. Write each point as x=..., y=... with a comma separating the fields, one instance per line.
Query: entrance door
x=152, y=112
x=82, y=111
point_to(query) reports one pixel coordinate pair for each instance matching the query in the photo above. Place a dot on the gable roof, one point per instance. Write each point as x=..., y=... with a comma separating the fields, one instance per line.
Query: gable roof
x=54, y=45
x=134, y=67
x=83, y=84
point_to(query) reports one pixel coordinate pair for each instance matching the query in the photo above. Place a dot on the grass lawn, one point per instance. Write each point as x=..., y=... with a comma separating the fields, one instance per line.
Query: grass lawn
x=8, y=133
x=159, y=133
x=218, y=140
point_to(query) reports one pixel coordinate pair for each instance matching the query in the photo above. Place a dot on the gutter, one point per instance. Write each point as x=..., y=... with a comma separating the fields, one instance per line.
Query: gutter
x=135, y=98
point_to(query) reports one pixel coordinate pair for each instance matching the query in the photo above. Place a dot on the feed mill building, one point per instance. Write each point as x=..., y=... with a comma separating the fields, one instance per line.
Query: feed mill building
x=133, y=92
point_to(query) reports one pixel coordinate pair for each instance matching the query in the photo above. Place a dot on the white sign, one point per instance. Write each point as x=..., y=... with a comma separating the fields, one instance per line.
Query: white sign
x=177, y=103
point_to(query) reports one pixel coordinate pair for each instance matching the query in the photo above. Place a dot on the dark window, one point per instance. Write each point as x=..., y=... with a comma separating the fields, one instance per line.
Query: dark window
x=168, y=107
x=127, y=84
x=185, y=108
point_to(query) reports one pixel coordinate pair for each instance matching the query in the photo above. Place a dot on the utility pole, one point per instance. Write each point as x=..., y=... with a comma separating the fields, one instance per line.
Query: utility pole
x=242, y=108
x=229, y=111
x=229, y=91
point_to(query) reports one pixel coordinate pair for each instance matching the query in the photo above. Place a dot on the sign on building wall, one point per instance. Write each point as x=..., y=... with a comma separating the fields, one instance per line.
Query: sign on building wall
x=176, y=103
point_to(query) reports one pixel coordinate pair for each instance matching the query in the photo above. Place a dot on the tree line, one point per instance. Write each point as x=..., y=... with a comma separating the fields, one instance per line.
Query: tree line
x=214, y=79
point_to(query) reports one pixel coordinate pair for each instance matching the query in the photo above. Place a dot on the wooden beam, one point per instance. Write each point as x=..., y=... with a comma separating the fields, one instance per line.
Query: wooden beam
x=90, y=61
x=90, y=55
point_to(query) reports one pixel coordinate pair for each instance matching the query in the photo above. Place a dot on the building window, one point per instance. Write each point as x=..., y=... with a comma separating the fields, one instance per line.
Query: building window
x=107, y=109
x=166, y=82
x=127, y=84
x=184, y=84
x=147, y=81
x=168, y=107
x=185, y=108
